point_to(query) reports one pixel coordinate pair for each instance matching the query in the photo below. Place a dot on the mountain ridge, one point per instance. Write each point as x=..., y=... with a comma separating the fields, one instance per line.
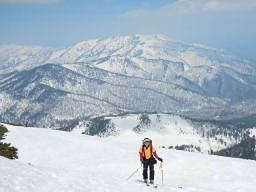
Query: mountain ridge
x=146, y=73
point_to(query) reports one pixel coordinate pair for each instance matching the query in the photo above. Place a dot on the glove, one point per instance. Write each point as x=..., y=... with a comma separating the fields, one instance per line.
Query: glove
x=160, y=159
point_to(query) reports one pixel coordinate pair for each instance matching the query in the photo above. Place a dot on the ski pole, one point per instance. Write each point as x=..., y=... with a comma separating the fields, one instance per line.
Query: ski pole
x=161, y=168
x=134, y=172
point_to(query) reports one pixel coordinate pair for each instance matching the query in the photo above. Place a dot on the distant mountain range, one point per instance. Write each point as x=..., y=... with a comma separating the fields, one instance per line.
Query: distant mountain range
x=140, y=73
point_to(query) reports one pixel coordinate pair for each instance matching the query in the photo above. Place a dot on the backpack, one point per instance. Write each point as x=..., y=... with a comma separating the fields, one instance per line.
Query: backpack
x=152, y=158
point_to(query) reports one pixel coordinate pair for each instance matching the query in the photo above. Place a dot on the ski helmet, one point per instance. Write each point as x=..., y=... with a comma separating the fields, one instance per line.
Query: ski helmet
x=147, y=140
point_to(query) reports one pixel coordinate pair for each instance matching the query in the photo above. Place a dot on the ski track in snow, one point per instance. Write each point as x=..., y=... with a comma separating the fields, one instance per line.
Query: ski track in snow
x=56, y=161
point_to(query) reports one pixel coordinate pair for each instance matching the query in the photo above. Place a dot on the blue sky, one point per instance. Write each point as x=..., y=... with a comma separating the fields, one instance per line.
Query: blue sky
x=227, y=24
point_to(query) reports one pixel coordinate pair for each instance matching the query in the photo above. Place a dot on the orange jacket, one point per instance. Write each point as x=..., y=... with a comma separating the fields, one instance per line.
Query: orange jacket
x=146, y=154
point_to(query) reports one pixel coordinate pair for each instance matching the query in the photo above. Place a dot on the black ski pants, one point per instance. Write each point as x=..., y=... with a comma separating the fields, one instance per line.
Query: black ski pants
x=148, y=163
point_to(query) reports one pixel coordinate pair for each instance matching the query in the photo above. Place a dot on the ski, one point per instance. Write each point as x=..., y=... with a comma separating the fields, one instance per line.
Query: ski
x=153, y=185
x=148, y=184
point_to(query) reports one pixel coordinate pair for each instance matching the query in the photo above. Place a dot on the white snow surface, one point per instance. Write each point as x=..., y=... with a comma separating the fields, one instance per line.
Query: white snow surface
x=51, y=160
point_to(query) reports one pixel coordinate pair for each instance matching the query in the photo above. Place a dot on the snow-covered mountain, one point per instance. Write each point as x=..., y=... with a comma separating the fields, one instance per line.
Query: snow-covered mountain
x=133, y=73
x=58, y=161
x=171, y=130
x=17, y=57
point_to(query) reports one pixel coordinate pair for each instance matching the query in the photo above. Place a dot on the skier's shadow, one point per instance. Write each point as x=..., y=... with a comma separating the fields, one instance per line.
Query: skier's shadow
x=140, y=181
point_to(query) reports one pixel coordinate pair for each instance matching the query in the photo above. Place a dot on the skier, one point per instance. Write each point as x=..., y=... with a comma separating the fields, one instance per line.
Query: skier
x=25, y=122
x=146, y=157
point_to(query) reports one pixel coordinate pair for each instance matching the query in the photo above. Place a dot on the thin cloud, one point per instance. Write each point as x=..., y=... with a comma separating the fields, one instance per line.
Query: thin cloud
x=184, y=7
x=29, y=1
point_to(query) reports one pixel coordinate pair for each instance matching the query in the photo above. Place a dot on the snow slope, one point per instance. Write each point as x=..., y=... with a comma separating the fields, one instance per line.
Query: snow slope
x=51, y=160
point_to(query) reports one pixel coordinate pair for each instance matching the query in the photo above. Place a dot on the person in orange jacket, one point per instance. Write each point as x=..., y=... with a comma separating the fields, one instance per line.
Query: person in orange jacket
x=147, y=153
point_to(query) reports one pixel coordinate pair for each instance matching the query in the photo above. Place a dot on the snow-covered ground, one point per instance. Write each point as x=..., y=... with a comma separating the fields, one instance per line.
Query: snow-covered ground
x=55, y=161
